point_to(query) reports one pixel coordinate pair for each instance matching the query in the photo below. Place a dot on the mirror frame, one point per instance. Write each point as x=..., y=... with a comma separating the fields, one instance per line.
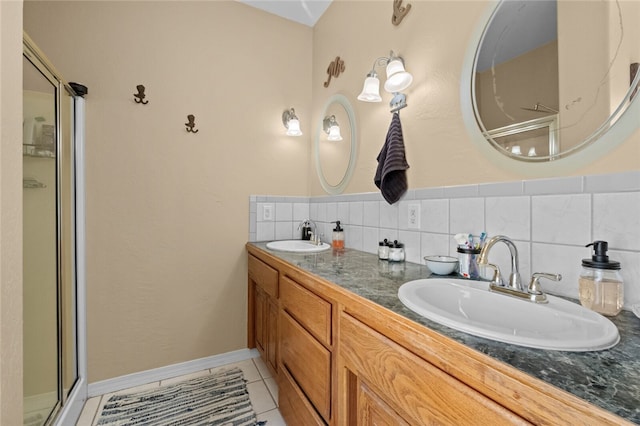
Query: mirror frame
x=340, y=187
x=600, y=143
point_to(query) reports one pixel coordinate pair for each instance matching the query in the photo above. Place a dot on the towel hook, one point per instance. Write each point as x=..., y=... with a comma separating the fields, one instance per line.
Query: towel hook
x=399, y=12
x=191, y=123
x=398, y=102
x=139, y=97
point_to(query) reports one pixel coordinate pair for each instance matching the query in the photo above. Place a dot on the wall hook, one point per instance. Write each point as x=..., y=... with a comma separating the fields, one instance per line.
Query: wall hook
x=191, y=124
x=399, y=12
x=139, y=97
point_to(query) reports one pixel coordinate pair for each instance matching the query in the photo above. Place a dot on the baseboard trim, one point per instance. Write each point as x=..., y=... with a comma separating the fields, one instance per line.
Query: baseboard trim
x=162, y=373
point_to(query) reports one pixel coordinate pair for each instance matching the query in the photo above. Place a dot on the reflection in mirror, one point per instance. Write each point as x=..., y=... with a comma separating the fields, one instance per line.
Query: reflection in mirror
x=551, y=76
x=335, y=159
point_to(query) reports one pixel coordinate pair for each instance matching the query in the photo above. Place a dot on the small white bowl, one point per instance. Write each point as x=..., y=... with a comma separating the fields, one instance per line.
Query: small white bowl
x=441, y=265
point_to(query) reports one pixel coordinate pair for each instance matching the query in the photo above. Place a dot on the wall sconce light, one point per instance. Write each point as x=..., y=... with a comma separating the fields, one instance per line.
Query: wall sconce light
x=398, y=78
x=291, y=122
x=332, y=128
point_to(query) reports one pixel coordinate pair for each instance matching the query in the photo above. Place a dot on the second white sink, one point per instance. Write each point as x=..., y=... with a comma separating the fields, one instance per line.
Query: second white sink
x=470, y=307
x=297, y=246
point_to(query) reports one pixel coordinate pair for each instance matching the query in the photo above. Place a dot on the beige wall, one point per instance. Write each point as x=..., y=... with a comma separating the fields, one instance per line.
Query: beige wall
x=433, y=39
x=11, y=213
x=167, y=211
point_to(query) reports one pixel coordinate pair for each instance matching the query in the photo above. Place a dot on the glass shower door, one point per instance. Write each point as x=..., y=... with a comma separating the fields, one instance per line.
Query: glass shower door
x=49, y=282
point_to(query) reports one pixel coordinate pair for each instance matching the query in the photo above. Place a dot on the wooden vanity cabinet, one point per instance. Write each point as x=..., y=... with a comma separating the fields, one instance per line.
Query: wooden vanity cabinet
x=263, y=311
x=344, y=360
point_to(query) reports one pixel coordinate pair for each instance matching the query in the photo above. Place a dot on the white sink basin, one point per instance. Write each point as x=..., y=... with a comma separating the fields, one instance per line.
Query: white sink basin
x=470, y=307
x=297, y=246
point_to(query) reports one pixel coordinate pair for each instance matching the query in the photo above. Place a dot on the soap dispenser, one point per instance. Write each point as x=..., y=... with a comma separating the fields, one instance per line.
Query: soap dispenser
x=600, y=285
x=337, y=240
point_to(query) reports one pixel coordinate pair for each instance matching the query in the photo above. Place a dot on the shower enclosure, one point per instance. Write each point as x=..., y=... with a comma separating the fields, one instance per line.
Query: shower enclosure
x=53, y=244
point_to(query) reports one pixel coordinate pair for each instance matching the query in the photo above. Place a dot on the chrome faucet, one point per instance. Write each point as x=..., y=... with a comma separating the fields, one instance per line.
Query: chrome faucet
x=514, y=288
x=515, y=281
x=314, y=237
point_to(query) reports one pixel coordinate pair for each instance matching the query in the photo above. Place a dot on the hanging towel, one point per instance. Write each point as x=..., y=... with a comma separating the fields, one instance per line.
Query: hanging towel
x=391, y=176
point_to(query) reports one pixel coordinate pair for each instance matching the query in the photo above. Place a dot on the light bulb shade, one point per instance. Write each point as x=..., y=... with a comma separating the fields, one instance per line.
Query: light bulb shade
x=397, y=78
x=370, y=90
x=516, y=150
x=334, y=133
x=293, y=127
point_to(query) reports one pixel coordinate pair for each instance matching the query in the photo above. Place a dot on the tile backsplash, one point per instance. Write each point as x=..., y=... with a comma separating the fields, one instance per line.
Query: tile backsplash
x=550, y=220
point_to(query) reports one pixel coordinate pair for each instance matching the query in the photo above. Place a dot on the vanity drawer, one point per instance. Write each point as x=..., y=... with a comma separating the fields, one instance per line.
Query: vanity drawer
x=311, y=311
x=263, y=275
x=308, y=362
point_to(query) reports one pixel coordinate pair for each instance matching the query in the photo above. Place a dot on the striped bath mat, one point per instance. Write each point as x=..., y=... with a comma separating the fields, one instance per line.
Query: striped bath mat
x=218, y=399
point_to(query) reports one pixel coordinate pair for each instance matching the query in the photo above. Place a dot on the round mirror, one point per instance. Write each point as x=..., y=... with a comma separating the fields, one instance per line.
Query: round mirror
x=547, y=78
x=335, y=144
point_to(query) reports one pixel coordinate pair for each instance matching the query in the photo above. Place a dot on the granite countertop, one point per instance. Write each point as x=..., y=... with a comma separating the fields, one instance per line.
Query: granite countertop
x=609, y=379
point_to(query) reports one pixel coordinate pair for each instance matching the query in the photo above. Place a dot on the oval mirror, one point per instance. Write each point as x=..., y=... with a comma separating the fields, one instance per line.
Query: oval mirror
x=550, y=77
x=335, y=144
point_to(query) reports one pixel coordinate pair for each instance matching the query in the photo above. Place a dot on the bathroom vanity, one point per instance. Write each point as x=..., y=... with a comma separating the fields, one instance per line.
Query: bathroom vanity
x=345, y=350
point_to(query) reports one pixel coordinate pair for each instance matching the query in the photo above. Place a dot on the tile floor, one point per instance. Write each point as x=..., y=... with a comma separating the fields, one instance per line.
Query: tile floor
x=263, y=392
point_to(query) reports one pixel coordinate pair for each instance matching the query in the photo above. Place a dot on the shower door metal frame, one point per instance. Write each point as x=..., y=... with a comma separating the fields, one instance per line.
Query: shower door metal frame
x=69, y=405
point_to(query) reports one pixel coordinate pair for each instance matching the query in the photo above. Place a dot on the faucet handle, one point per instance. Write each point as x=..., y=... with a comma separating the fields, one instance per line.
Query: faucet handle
x=534, y=284
x=497, y=276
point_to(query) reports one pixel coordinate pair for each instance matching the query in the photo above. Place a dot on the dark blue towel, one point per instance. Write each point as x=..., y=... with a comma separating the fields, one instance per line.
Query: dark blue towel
x=391, y=175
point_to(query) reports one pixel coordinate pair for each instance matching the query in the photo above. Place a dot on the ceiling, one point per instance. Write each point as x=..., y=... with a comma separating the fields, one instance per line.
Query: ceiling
x=305, y=12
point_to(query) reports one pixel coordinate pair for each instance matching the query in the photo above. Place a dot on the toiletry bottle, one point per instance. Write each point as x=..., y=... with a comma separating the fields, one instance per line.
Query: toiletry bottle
x=383, y=250
x=337, y=240
x=396, y=252
x=600, y=284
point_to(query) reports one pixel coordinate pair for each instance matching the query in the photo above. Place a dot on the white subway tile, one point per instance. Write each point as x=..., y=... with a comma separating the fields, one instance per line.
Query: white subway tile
x=388, y=215
x=371, y=214
x=559, y=259
x=412, y=245
x=353, y=237
x=466, y=215
x=616, y=219
x=370, y=239
x=434, y=245
x=343, y=212
x=434, y=216
x=510, y=216
x=564, y=219
x=628, y=181
x=301, y=211
x=565, y=185
x=284, y=231
x=356, y=213
x=332, y=212
x=501, y=189
x=266, y=231
x=462, y=191
x=284, y=212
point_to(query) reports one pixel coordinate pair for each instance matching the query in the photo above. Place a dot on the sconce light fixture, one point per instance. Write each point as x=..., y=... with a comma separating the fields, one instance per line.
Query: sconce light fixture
x=398, y=78
x=291, y=122
x=332, y=128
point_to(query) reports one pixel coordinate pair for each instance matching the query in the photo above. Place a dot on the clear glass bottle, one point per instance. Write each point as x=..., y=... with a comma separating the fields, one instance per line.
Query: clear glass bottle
x=337, y=238
x=601, y=288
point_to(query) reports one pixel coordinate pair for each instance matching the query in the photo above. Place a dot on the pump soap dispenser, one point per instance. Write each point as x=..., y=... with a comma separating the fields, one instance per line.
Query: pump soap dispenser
x=337, y=240
x=600, y=283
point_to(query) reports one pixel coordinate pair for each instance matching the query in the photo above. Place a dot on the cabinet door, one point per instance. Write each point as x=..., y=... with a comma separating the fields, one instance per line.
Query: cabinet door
x=373, y=411
x=272, y=334
x=260, y=319
x=415, y=389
